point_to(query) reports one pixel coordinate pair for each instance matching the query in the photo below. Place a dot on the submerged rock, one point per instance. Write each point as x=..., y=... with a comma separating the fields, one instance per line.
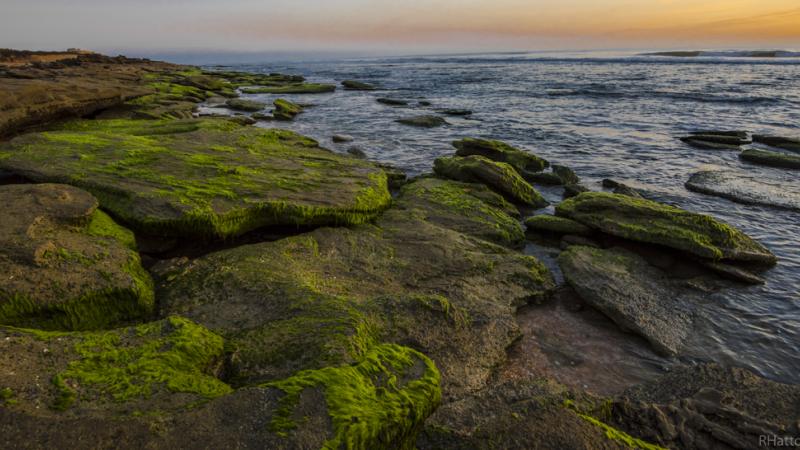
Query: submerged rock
x=635, y=295
x=202, y=178
x=501, y=152
x=392, y=101
x=471, y=209
x=456, y=112
x=353, y=85
x=356, y=152
x=746, y=189
x=733, y=139
x=240, y=104
x=340, y=138
x=742, y=135
x=425, y=121
x=497, y=175
x=785, y=143
x=286, y=110
x=66, y=265
x=655, y=223
x=712, y=142
x=299, y=88
x=557, y=225
x=770, y=158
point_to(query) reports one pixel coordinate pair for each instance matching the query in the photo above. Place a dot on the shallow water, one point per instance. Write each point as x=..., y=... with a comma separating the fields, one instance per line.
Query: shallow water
x=606, y=116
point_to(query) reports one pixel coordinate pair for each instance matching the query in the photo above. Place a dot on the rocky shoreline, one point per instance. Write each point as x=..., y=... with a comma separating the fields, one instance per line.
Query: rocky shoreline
x=176, y=281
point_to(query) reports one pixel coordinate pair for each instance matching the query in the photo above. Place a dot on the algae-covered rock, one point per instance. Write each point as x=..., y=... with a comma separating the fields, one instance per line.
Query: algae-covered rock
x=241, y=104
x=469, y=208
x=635, y=295
x=566, y=174
x=202, y=177
x=159, y=366
x=392, y=101
x=501, y=152
x=785, y=143
x=746, y=189
x=555, y=224
x=712, y=142
x=732, y=139
x=655, y=223
x=425, y=121
x=65, y=264
x=497, y=175
x=299, y=88
x=286, y=110
x=353, y=85
x=770, y=158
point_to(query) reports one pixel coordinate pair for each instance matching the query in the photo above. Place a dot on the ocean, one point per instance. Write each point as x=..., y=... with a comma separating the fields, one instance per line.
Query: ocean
x=605, y=115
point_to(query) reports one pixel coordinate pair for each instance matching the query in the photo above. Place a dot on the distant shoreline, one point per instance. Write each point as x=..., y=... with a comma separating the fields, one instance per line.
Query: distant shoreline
x=731, y=54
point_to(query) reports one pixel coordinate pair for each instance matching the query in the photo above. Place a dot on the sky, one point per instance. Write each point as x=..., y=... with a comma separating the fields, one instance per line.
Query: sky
x=397, y=26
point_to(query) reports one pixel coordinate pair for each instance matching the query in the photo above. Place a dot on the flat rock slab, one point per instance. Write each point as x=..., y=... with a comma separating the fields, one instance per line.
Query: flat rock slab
x=770, y=158
x=501, y=152
x=651, y=222
x=500, y=176
x=746, y=189
x=635, y=295
x=786, y=143
x=65, y=264
x=202, y=178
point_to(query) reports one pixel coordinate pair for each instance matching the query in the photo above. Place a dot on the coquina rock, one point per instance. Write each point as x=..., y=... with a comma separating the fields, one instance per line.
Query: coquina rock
x=65, y=264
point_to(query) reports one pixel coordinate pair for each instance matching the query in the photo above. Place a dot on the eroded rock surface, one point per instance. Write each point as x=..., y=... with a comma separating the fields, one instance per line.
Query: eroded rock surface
x=746, y=189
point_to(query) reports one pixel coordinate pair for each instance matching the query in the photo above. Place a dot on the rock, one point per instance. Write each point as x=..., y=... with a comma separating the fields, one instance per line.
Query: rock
x=425, y=121
x=704, y=143
x=566, y=174
x=240, y=104
x=743, y=135
x=471, y=209
x=546, y=178
x=635, y=295
x=397, y=177
x=733, y=272
x=262, y=116
x=392, y=101
x=424, y=103
x=286, y=110
x=403, y=280
x=571, y=190
x=723, y=139
x=340, y=138
x=500, y=152
x=202, y=178
x=785, y=143
x=621, y=188
x=353, y=85
x=655, y=223
x=571, y=239
x=456, y=112
x=166, y=365
x=746, y=189
x=243, y=120
x=709, y=406
x=557, y=225
x=299, y=88
x=356, y=152
x=497, y=175
x=772, y=159
x=66, y=265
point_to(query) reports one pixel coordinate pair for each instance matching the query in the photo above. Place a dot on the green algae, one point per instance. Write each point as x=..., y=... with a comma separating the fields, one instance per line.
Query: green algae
x=770, y=158
x=501, y=177
x=102, y=225
x=555, y=224
x=648, y=221
x=134, y=363
x=612, y=433
x=375, y=404
x=286, y=110
x=501, y=152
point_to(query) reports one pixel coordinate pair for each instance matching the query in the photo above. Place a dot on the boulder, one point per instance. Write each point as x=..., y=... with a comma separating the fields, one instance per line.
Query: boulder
x=571, y=190
x=566, y=174
x=497, y=175
x=770, y=158
x=240, y=104
x=785, y=143
x=471, y=209
x=340, y=138
x=746, y=189
x=66, y=265
x=286, y=110
x=556, y=225
x=635, y=295
x=426, y=121
x=202, y=178
x=392, y=101
x=500, y=152
x=655, y=223
x=545, y=178
x=352, y=85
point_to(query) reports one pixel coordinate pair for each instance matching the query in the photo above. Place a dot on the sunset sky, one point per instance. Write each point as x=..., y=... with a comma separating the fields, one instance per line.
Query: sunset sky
x=410, y=26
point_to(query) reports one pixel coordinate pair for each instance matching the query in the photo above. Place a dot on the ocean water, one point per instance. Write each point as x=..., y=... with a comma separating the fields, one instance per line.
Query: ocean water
x=606, y=116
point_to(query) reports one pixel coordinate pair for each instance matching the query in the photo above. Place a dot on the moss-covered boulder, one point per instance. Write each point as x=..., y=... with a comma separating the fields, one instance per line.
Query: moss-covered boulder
x=353, y=85
x=770, y=158
x=159, y=366
x=635, y=295
x=299, y=88
x=499, y=176
x=66, y=264
x=466, y=207
x=202, y=177
x=501, y=152
x=655, y=223
x=424, y=121
x=286, y=110
x=556, y=225
x=786, y=143
x=241, y=104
